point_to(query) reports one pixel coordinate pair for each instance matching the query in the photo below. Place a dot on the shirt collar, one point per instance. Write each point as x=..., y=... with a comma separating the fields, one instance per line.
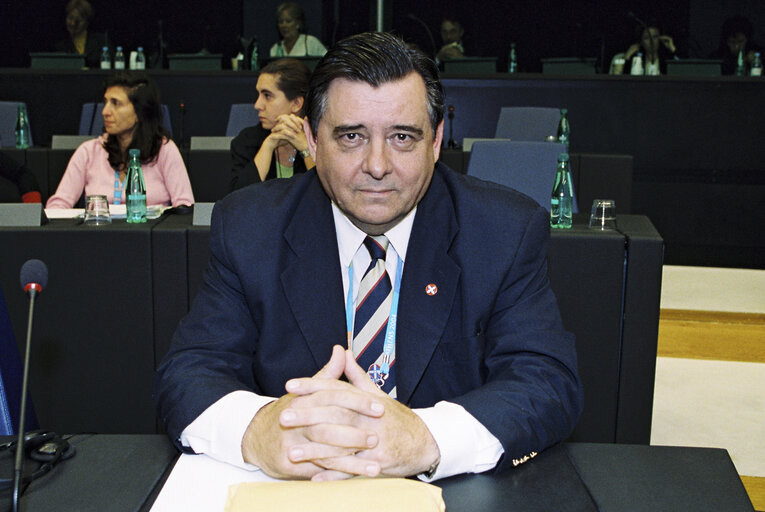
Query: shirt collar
x=350, y=238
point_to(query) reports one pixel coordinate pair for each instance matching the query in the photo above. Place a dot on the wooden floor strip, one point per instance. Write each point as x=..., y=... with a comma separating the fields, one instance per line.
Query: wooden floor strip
x=755, y=487
x=712, y=335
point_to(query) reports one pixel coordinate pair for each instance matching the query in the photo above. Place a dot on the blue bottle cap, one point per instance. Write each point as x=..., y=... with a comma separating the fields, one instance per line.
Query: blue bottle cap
x=563, y=157
x=134, y=152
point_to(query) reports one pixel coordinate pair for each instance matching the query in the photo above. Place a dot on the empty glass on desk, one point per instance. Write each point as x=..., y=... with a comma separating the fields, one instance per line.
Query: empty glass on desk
x=603, y=215
x=97, y=211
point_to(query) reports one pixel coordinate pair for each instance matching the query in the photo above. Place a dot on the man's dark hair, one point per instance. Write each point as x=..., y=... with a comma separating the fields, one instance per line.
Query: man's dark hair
x=375, y=58
x=734, y=25
x=292, y=77
x=149, y=133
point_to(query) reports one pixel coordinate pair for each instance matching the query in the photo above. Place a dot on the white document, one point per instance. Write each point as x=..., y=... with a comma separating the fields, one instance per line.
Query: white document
x=200, y=483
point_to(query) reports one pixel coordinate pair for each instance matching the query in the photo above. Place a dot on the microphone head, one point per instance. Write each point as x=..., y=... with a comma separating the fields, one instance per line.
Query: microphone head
x=34, y=275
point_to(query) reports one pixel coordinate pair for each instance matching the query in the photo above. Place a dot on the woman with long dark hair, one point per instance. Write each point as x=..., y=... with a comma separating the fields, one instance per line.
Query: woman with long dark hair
x=132, y=120
x=277, y=147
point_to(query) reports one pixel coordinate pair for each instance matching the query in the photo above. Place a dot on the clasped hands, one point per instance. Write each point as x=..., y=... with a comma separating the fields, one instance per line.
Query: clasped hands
x=328, y=429
x=288, y=130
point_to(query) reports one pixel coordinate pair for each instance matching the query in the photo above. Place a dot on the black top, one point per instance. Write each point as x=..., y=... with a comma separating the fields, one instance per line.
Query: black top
x=729, y=60
x=94, y=43
x=244, y=147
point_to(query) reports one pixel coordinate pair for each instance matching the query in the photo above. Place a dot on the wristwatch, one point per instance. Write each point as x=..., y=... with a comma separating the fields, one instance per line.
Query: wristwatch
x=305, y=153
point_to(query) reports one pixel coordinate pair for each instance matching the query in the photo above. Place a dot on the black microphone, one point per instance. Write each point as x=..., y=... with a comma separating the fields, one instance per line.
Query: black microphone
x=183, y=119
x=451, y=144
x=411, y=16
x=34, y=277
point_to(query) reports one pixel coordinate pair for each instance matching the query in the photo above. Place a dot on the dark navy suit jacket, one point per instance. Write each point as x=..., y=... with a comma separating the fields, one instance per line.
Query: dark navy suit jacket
x=271, y=307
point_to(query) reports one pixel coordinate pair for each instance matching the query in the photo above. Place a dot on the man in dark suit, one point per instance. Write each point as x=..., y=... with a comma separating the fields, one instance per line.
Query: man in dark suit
x=485, y=376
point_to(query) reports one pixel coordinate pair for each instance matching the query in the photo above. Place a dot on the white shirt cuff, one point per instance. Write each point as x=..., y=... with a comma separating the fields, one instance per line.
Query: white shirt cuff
x=466, y=445
x=219, y=430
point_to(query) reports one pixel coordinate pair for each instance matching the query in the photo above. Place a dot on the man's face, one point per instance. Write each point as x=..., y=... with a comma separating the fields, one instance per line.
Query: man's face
x=736, y=42
x=375, y=150
x=451, y=32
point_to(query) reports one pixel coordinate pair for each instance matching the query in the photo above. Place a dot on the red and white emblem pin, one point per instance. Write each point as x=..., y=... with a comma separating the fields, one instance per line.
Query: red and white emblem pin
x=431, y=289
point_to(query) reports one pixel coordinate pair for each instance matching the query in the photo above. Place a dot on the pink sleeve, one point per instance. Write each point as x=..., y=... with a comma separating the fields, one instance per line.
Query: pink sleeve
x=72, y=184
x=174, y=174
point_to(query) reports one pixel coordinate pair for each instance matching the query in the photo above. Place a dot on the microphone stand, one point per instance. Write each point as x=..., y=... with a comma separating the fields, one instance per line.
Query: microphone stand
x=18, y=466
x=451, y=144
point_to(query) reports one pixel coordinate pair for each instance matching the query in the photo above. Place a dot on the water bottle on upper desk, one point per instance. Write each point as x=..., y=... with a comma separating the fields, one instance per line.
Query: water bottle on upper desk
x=135, y=189
x=22, y=127
x=512, y=61
x=756, y=69
x=106, y=58
x=119, y=59
x=564, y=128
x=140, y=59
x=740, y=65
x=562, y=199
x=254, y=64
x=637, y=64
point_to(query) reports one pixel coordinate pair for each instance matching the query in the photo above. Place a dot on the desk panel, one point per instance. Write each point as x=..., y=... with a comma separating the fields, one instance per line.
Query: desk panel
x=93, y=344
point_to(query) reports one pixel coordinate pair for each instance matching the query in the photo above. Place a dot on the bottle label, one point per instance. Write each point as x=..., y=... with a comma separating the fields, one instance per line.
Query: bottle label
x=136, y=197
x=756, y=71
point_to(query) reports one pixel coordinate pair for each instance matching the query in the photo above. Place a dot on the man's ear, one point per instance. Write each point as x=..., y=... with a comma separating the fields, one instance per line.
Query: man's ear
x=437, y=140
x=310, y=138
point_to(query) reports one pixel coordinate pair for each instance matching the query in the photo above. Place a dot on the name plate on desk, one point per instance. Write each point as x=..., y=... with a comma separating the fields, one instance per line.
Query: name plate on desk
x=22, y=214
x=202, y=214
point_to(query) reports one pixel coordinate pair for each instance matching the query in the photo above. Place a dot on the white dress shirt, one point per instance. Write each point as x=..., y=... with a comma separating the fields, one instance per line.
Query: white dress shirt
x=466, y=446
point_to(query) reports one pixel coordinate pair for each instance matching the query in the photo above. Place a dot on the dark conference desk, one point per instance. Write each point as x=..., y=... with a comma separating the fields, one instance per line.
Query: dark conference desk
x=115, y=295
x=125, y=474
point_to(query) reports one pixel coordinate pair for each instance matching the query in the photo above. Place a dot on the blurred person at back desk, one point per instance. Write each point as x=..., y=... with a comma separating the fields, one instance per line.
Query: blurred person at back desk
x=379, y=314
x=79, y=14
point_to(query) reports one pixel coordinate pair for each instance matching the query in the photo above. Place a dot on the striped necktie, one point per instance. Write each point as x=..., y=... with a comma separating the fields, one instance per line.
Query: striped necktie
x=371, y=318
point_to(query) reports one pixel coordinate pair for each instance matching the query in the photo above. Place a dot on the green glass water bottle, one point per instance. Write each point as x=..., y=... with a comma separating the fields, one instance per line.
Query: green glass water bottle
x=135, y=188
x=562, y=199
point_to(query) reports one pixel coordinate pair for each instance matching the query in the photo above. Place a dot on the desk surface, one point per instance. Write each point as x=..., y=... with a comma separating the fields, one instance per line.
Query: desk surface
x=124, y=473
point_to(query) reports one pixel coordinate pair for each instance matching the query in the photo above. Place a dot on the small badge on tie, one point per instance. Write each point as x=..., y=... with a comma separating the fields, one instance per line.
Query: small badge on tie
x=377, y=376
x=431, y=289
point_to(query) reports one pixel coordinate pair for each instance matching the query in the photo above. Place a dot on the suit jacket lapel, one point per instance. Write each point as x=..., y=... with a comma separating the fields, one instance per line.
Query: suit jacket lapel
x=312, y=281
x=422, y=317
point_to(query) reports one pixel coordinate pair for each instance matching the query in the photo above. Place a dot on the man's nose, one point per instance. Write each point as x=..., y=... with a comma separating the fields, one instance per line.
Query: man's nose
x=376, y=162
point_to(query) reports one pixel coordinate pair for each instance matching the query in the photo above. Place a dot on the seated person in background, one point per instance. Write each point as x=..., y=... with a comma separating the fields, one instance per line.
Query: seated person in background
x=277, y=147
x=26, y=182
x=656, y=48
x=476, y=371
x=132, y=119
x=296, y=42
x=79, y=14
x=451, y=35
x=736, y=36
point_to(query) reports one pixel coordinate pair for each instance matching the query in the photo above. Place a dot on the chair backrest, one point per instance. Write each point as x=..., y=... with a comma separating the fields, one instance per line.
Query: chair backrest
x=9, y=111
x=240, y=117
x=68, y=141
x=10, y=378
x=528, y=167
x=527, y=123
x=92, y=119
x=210, y=143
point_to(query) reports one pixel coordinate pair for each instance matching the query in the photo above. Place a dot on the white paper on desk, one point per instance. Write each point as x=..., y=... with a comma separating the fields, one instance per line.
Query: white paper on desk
x=200, y=483
x=64, y=213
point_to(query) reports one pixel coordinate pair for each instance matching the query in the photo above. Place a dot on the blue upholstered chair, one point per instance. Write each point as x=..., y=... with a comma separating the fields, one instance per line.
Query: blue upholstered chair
x=528, y=167
x=527, y=123
x=8, y=113
x=240, y=117
x=10, y=378
x=92, y=120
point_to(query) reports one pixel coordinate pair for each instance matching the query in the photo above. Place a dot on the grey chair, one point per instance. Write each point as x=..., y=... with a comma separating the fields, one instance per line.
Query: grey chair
x=8, y=114
x=92, y=120
x=527, y=123
x=528, y=167
x=240, y=116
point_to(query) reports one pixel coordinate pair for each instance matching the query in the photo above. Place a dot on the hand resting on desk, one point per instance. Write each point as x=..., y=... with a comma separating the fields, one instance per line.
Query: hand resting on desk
x=327, y=429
